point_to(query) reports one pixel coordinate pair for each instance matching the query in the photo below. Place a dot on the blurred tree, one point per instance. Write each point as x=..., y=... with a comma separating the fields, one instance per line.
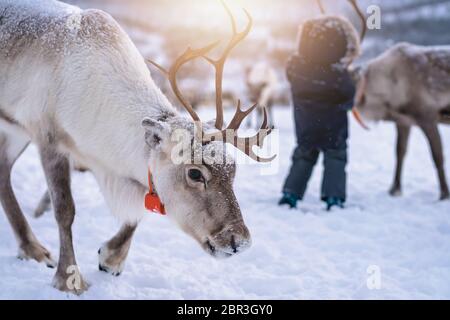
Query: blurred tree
x=424, y=22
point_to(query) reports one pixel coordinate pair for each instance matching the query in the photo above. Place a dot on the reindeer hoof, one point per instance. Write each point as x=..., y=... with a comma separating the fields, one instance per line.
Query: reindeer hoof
x=110, y=262
x=73, y=283
x=36, y=251
x=102, y=268
x=108, y=270
x=115, y=272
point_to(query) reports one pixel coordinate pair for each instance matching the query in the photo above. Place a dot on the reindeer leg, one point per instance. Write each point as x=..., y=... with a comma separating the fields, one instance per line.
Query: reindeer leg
x=403, y=132
x=113, y=253
x=434, y=138
x=45, y=202
x=11, y=147
x=57, y=171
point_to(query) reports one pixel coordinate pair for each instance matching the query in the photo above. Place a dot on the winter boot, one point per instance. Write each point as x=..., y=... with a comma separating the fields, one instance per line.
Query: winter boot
x=289, y=199
x=333, y=201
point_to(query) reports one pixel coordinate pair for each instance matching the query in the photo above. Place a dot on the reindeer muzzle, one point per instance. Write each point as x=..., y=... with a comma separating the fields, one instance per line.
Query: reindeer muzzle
x=229, y=241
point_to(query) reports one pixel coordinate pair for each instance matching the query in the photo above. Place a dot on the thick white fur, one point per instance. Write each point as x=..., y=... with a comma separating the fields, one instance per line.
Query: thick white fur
x=91, y=98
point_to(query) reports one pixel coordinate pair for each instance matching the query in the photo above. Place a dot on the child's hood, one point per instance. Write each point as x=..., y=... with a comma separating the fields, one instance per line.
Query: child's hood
x=341, y=24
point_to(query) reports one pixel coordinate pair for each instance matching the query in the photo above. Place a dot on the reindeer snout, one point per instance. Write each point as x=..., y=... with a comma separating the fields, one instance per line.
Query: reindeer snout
x=230, y=240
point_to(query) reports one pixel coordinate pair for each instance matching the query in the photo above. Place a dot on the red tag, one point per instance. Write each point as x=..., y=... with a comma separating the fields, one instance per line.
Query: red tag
x=153, y=203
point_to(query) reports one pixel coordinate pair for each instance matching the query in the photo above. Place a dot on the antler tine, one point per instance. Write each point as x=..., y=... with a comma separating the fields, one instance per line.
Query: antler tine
x=235, y=123
x=233, y=20
x=246, y=144
x=265, y=120
x=220, y=63
x=171, y=74
x=240, y=115
x=159, y=67
x=355, y=6
x=264, y=129
x=321, y=7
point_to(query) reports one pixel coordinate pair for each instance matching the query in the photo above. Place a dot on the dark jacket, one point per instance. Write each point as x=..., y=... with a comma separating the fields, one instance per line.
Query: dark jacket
x=322, y=95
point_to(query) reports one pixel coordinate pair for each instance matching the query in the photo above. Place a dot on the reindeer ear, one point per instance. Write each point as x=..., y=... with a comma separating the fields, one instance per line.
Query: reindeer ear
x=155, y=131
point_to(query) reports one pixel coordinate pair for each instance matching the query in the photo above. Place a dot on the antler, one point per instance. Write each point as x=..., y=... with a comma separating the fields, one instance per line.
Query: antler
x=355, y=6
x=171, y=74
x=220, y=63
x=245, y=144
x=321, y=7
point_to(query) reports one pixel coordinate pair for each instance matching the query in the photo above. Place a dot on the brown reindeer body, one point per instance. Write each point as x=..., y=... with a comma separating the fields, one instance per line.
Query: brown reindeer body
x=410, y=85
x=445, y=116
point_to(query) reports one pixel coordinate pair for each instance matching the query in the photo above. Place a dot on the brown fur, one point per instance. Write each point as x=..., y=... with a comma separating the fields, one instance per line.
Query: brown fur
x=57, y=170
x=409, y=85
x=29, y=246
x=116, y=250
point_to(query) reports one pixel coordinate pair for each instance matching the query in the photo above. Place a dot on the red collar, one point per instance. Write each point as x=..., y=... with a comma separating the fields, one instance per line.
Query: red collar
x=152, y=201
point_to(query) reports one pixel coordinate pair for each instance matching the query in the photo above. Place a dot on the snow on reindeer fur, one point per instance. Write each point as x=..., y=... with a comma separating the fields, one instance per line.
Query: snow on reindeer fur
x=49, y=23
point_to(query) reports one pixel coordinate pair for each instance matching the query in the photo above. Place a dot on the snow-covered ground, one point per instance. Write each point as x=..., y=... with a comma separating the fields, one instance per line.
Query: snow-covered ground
x=296, y=254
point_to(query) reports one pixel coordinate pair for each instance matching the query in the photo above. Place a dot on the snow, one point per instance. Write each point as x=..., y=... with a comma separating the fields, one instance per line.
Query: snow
x=296, y=254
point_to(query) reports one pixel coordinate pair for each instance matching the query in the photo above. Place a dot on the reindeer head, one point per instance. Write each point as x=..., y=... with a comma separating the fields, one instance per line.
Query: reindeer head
x=195, y=178
x=373, y=88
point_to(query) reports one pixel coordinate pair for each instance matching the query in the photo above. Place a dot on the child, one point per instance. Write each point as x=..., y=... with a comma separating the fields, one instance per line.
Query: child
x=322, y=92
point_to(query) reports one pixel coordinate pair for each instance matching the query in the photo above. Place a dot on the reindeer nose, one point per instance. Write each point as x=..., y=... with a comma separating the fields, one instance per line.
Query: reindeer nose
x=239, y=244
x=232, y=239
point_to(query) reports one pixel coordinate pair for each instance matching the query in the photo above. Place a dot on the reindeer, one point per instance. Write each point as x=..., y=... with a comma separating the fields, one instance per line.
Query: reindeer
x=74, y=84
x=261, y=80
x=409, y=85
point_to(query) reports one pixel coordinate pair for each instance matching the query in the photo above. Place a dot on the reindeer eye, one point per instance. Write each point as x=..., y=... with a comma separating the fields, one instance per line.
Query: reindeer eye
x=195, y=175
